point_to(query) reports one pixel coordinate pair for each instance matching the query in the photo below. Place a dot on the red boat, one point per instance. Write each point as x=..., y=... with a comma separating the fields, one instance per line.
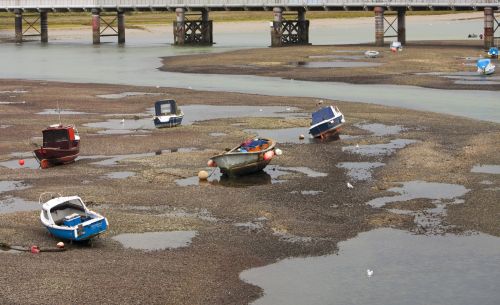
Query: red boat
x=61, y=145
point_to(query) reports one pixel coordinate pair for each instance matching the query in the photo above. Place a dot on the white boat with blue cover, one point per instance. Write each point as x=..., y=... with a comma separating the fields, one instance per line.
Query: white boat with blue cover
x=485, y=67
x=68, y=218
x=493, y=52
x=167, y=114
x=326, y=120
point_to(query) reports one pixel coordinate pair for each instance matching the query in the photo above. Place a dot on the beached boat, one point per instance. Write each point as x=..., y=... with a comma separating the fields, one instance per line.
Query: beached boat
x=167, y=114
x=61, y=145
x=485, y=67
x=249, y=157
x=68, y=218
x=372, y=54
x=493, y=52
x=396, y=46
x=326, y=120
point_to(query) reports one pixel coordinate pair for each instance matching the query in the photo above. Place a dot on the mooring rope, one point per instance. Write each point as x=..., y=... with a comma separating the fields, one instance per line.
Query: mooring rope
x=28, y=249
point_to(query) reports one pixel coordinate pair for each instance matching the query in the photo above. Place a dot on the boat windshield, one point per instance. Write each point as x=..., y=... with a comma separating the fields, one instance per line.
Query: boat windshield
x=54, y=136
x=322, y=114
x=166, y=107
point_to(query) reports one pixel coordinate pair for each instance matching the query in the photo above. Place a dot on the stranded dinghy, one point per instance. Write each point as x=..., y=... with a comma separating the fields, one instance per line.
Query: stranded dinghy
x=61, y=145
x=167, y=114
x=326, y=120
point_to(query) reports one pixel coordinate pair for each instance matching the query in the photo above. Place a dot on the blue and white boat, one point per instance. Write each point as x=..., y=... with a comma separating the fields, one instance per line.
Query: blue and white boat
x=167, y=114
x=493, y=52
x=326, y=120
x=68, y=218
x=485, y=67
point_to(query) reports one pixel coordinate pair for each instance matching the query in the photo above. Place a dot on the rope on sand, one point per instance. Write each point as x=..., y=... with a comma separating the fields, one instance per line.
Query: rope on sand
x=29, y=249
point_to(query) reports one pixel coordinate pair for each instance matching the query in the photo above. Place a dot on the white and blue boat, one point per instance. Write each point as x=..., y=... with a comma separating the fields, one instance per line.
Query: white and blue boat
x=485, y=67
x=493, y=52
x=68, y=218
x=167, y=114
x=326, y=120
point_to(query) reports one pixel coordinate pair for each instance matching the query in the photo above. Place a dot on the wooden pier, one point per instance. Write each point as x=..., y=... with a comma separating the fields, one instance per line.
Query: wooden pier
x=193, y=26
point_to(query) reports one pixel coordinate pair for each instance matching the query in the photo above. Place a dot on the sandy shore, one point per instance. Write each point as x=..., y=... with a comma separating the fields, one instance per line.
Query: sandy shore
x=206, y=272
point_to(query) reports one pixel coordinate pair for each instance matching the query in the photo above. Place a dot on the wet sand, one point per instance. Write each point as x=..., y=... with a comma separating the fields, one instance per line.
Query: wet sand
x=238, y=226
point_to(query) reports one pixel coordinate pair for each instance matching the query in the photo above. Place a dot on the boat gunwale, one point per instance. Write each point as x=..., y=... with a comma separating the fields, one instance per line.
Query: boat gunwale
x=233, y=152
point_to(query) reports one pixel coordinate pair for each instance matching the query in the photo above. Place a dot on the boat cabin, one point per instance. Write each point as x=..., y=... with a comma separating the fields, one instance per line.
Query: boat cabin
x=59, y=136
x=166, y=107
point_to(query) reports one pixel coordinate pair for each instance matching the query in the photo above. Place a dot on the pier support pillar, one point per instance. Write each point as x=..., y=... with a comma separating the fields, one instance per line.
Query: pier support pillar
x=379, y=25
x=198, y=31
x=96, y=26
x=276, y=30
x=44, y=27
x=179, y=26
x=489, y=31
x=121, y=27
x=294, y=31
x=401, y=26
x=18, y=25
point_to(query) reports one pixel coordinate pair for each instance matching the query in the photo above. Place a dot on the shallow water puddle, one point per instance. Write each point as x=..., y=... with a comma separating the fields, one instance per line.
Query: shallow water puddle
x=217, y=134
x=407, y=269
x=270, y=175
x=335, y=64
x=154, y=241
x=360, y=170
x=421, y=190
x=292, y=135
x=63, y=112
x=31, y=163
x=123, y=126
x=5, y=126
x=115, y=96
x=379, y=130
x=307, y=193
x=468, y=78
x=11, y=103
x=10, y=204
x=486, y=169
x=119, y=175
x=6, y=186
x=352, y=57
x=113, y=160
x=375, y=150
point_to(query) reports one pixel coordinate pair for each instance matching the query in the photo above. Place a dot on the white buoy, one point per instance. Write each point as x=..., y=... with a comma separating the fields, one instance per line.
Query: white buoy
x=203, y=175
x=349, y=185
x=301, y=137
x=278, y=152
x=357, y=145
x=60, y=245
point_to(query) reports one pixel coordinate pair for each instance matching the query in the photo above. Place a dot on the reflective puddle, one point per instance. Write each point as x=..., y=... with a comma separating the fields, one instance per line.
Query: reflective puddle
x=360, y=170
x=10, y=204
x=351, y=57
x=421, y=189
x=4, y=126
x=335, y=64
x=122, y=126
x=292, y=135
x=116, y=96
x=307, y=193
x=6, y=186
x=31, y=163
x=486, y=169
x=270, y=175
x=375, y=150
x=407, y=269
x=468, y=78
x=380, y=130
x=63, y=112
x=217, y=134
x=154, y=241
x=119, y=175
x=115, y=159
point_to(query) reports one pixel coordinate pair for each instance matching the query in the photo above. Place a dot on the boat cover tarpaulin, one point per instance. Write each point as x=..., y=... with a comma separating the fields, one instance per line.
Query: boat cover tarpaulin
x=483, y=63
x=170, y=104
x=322, y=114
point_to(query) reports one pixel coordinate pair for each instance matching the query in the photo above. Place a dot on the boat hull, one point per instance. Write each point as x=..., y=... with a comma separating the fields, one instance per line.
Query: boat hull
x=55, y=156
x=328, y=127
x=85, y=232
x=170, y=122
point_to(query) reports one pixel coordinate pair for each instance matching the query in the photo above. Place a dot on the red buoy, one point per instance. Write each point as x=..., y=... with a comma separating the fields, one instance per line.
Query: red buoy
x=21, y=162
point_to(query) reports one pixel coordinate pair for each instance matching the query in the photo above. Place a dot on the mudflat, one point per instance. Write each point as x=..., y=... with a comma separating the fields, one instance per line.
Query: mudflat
x=300, y=207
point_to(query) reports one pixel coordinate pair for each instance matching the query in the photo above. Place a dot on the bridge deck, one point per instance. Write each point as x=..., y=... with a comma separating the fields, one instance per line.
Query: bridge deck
x=230, y=5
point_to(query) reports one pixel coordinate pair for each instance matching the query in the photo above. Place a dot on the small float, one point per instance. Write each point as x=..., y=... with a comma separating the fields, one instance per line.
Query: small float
x=493, y=52
x=167, y=114
x=251, y=156
x=485, y=67
x=326, y=120
x=396, y=46
x=68, y=218
x=372, y=54
x=61, y=145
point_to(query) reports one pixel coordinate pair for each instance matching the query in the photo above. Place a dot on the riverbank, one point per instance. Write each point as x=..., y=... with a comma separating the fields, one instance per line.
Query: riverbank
x=239, y=225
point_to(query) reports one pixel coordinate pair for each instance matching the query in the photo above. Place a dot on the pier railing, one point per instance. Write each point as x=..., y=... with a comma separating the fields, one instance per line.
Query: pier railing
x=158, y=4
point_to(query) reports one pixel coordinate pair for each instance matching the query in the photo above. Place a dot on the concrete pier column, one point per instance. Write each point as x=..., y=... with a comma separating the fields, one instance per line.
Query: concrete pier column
x=276, y=30
x=96, y=26
x=379, y=25
x=44, y=27
x=179, y=28
x=121, y=26
x=401, y=26
x=18, y=25
x=488, y=28
x=207, y=31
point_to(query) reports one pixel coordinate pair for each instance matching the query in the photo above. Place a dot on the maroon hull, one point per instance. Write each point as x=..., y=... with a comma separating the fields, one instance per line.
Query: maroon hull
x=61, y=145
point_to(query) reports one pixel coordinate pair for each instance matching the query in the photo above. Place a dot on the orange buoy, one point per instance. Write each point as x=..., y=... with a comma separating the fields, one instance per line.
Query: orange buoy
x=202, y=175
x=268, y=155
x=60, y=245
x=44, y=163
x=21, y=162
x=211, y=163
